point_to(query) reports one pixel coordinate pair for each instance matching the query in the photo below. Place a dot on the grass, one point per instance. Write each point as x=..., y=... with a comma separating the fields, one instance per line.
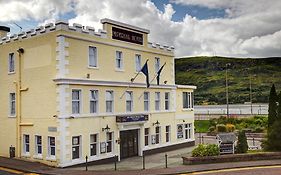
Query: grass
x=202, y=125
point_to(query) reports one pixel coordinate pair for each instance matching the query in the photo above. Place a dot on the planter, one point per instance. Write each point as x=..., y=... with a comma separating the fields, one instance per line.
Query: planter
x=231, y=158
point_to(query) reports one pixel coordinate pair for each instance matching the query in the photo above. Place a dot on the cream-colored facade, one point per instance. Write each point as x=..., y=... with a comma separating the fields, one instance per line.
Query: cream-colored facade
x=66, y=93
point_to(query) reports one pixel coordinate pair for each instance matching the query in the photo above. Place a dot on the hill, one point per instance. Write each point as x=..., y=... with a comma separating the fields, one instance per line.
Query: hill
x=208, y=74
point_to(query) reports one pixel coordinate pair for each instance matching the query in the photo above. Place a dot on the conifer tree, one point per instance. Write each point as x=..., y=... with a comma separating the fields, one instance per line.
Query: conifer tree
x=272, y=107
x=242, y=144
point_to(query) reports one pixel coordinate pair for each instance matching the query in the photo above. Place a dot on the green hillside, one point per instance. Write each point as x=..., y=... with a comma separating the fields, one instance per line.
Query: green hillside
x=208, y=74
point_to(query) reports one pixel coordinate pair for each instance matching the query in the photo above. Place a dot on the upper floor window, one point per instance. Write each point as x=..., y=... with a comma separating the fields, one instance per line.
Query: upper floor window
x=119, y=60
x=146, y=101
x=12, y=104
x=76, y=101
x=138, y=62
x=167, y=100
x=188, y=100
x=157, y=64
x=94, y=96
x=129, y=101
x=93, y=59
x=157, y=101
x=11, y=60
x=109, y=101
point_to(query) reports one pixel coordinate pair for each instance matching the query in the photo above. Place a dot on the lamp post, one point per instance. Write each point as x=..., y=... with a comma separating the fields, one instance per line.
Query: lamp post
x=251, y=95
x=226, y=90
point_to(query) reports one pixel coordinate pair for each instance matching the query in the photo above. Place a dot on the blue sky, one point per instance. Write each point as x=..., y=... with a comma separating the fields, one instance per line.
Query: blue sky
x=236, y=28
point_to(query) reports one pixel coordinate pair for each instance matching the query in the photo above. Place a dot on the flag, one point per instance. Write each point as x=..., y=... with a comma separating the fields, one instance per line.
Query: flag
x=144, y=70
x=158, y=74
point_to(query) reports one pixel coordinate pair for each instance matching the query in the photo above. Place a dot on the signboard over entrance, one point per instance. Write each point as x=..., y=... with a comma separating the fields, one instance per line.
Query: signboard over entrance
x=131, y=118
x=126, y=35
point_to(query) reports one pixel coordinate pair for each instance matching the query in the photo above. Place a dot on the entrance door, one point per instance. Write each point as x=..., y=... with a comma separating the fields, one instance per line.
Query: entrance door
x=129, y=143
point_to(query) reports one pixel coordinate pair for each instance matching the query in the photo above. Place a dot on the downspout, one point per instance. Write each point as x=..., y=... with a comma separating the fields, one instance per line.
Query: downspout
x=18, y=86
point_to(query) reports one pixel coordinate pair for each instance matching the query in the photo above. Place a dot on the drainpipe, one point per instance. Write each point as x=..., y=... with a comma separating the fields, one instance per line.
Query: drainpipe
x=19, y=90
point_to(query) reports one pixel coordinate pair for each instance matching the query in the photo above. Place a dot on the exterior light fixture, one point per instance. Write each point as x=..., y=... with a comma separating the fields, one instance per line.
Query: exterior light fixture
x=20, y=50
x=156, y=123
x=107, y=128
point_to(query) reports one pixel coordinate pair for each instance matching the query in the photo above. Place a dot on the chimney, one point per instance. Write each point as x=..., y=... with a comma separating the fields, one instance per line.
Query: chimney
x=3, y=31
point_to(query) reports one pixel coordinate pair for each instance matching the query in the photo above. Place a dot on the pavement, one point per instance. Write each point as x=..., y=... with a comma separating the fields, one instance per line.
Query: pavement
x=33, y=167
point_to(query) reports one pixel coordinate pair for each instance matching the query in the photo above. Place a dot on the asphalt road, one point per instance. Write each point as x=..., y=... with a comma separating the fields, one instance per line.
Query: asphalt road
x=263, y=170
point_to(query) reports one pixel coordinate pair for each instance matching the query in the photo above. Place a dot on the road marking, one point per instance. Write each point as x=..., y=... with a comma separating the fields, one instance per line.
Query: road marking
x=234, y=169
x=16, y=171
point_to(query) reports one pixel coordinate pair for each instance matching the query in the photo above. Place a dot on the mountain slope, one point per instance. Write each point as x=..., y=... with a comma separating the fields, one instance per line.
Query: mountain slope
x=209, y=73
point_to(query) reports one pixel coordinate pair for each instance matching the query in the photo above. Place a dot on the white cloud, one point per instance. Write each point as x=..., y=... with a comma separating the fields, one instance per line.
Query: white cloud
x=250, y=28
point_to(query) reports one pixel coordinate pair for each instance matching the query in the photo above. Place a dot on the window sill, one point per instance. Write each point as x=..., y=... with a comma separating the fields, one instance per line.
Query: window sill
x=11, y=73
x=38, y=156
x=91, y=67
x=26, y=154
x=119, y=70
x=51, y=158
x=12, y=116
x=187, y=109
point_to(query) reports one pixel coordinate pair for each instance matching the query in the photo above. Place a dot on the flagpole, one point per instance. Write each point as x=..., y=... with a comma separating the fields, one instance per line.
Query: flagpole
x=155, y=75
x=132, y=80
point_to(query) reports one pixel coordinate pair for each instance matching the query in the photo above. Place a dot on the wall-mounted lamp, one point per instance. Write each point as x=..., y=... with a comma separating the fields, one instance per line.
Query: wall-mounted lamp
x=71, y=117
x=183, y=120
x=156, y=123
x=165, y=82
x=107, y=128
x=55, y=116
x=88, y=76
x=20, y=50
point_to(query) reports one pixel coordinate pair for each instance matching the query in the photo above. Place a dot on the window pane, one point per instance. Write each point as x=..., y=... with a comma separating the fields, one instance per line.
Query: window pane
x=93, y=56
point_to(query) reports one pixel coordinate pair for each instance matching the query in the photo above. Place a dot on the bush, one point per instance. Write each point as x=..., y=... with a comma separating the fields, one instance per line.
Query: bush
x=206, y=150
x=242, y=144
x=212, y=129
x=221, y=128
x=258, y=129
x=230, y=127
x=273, y=142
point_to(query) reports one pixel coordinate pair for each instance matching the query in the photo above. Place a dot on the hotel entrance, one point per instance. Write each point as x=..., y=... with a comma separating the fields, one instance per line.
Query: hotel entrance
x=129, y=143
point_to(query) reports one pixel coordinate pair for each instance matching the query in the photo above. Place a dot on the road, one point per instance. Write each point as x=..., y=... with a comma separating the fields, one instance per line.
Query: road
x=8, y=171
x=262, y=170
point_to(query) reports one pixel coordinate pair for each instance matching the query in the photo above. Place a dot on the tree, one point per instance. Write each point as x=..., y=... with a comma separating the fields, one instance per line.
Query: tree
x=279, y=107
x=242, y=144
x=272, y=107
x=273, y=142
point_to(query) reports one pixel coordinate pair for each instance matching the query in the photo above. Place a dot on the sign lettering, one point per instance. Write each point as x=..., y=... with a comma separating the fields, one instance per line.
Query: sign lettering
x=128, y=36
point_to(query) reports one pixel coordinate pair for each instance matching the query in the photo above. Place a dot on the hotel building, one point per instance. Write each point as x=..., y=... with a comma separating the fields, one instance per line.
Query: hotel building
x=68, y=92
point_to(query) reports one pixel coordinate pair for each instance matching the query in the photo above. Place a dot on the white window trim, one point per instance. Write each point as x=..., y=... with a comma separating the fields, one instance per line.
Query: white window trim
x=80, y=147
x=155, y=64
x=157, y=100
x=25, y=154
x=11, y=72
x=136, y=66
x=121, y=69
x=148, y=101
x=89, y=66
x=167, y=100
x=131, y=100
x=49, y=156
x=190, y=101
x=97, y=101
x=112, y=141
x=10, y=105
x=80, y=102
x=169, y=133
x=98, y=145
x=159, y=135
x=36, y=145
x=112, y=102
x=149, y=138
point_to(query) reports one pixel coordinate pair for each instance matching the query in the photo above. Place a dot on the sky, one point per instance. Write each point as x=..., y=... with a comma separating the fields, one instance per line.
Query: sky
x=231, y=28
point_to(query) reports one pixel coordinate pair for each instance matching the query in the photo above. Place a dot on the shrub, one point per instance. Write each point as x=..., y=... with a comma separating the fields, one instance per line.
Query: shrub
x=273, y=142
x=258, y=129
x=212, y=129
x=242, y=144
x=205, y=150
x=221, y=128
x=230, y=127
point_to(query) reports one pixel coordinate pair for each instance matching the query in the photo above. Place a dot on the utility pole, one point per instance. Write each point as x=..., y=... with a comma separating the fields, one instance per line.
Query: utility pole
x=226, y=90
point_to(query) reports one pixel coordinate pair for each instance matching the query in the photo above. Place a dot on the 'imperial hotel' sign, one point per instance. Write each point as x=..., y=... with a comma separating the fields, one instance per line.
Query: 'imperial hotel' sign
x=128, y=36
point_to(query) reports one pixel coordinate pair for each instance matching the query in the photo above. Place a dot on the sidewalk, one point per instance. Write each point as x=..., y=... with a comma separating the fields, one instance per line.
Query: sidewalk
x=43, y=169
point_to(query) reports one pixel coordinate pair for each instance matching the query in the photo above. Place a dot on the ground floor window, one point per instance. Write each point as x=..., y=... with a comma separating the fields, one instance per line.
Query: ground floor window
x=38, y=145
x=93, y=144
x=51, y=146
x=168, y=133
x=109, y=141
x=180, y=131
x=76, y=147
x=157, y=134
x=26, y=142
x=187, y=130
x=146, y=136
